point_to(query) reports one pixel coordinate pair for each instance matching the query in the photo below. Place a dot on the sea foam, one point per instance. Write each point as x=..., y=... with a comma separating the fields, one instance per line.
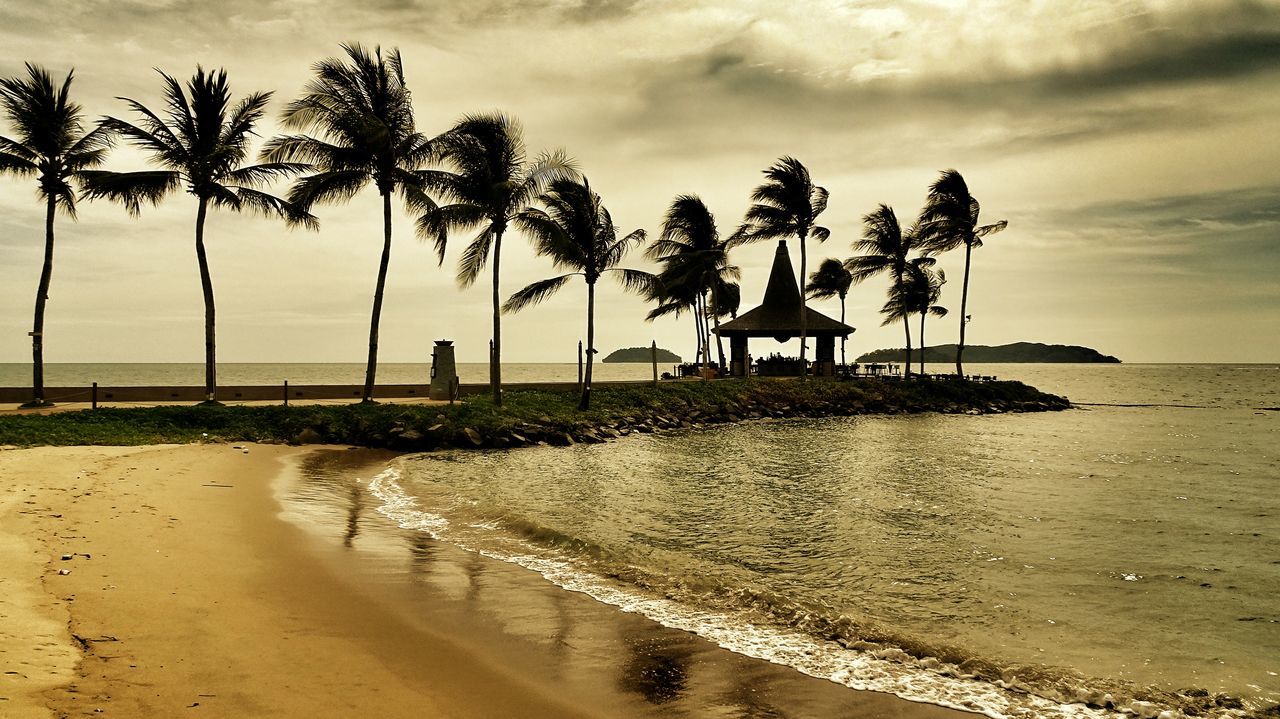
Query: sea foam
x=869, y=667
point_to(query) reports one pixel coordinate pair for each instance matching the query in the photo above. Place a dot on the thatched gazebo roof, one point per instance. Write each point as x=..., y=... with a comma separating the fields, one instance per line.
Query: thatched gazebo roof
x=778, y=316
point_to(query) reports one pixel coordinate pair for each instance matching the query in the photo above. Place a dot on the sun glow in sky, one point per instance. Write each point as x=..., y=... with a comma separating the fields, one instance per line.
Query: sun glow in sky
x=1130, y=144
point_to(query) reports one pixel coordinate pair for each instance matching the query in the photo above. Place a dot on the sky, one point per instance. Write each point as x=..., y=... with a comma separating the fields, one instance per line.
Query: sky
x=1131, y=145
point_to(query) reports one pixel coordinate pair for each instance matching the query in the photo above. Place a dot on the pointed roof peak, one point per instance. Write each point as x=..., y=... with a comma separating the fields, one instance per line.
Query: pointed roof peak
x=782, y=294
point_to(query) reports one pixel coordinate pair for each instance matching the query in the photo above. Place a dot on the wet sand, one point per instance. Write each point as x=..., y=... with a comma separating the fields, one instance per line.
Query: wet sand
x=191, y=593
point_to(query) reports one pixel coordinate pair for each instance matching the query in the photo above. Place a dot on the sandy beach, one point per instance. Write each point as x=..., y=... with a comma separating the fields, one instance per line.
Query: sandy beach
x=187, y=591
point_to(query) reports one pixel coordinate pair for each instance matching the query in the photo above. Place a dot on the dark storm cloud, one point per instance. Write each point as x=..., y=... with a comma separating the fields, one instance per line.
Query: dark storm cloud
x=1227, y=242
x=1168, y=61
x=1131, y=82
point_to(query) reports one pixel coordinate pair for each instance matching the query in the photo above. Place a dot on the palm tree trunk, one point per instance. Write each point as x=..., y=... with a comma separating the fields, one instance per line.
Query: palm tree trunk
x=371, y=369
x=495, y=359
x=206, y=285
x=964, y=317
x=843, y=364
x=591, y=345
x=42, y=296
x=922, y=316
x=906, y=325
x=715, y=317
x=804, y=313
x=706, y=336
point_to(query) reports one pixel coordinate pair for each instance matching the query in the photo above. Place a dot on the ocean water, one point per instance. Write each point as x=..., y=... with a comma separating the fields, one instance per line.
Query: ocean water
x=1016, y=565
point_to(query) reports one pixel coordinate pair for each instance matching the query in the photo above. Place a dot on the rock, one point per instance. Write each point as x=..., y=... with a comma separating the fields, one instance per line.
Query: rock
x=408, y=439
x=64, y=572
x=66, y=557
x=308, y=436
x=518, y=438
x=473, y=436
x=435, y=428
x=1145, y=710
x=567, y=439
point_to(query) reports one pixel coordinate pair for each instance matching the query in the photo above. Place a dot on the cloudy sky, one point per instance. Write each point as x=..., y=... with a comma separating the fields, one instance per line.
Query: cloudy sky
x=1131, y=145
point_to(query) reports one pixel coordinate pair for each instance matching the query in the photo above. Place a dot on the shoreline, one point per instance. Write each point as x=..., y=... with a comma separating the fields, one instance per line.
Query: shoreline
x=335, y=629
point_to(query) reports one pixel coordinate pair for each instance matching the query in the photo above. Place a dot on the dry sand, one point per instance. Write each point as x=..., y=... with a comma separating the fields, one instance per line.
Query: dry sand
x=188, y=595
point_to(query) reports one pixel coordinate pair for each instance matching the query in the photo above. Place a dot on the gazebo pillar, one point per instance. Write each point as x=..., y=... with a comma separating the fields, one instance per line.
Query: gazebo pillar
x=824, y=360
x=738, y=366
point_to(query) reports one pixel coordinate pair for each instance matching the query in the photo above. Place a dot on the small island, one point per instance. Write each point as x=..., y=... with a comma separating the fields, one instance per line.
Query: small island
x=1010, y=353
x=642, y=354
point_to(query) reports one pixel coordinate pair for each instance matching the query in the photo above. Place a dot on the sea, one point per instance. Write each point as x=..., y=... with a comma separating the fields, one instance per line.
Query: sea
x=1125, y=552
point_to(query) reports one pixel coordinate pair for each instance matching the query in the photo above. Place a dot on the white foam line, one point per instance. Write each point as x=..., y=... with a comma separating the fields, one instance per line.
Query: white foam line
x=825, y=660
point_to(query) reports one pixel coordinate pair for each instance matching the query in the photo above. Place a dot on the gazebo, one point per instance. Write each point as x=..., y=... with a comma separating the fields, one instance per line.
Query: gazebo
x=778, y=316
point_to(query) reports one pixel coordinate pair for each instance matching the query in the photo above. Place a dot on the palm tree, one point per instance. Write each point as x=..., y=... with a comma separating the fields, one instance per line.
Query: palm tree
x=787, y=204
x=577, y=232
x=51, y=145
x=695, y=264
x=930, y=290
x=918, y=294
x=728, y=298
x=831, y=279
x=202, y=144
x=885, y=249
x=491, y=183
x=950, y=219
x=360, y=118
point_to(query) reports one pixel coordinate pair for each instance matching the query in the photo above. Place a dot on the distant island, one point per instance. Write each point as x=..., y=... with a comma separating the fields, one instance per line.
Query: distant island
x=1016, y=352
x=641, y=354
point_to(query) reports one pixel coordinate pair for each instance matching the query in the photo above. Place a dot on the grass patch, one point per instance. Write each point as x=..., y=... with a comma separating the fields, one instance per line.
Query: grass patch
x=536, y=413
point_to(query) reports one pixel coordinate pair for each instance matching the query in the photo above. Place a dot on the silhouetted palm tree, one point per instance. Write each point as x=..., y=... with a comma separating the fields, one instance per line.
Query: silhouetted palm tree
x=950, y=219
x=728, y=298
x=930, y=291
x=577, y=232
x=695, y=264
x=50, y=143
x=202, y=145
x=491, y=183
x=918, y=294
x=360, y=115
x=787, y=204
x=884, y=249
x=831, y=279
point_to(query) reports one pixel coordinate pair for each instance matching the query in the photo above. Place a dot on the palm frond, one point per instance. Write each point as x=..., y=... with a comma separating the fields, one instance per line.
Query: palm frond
x=272, y=206
x=536, y=292
x=435, y=224
x=637, y=281
x=16, y=164
x=259, y=175
x=130, y=189
x=326, y=187
x=474, y=257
